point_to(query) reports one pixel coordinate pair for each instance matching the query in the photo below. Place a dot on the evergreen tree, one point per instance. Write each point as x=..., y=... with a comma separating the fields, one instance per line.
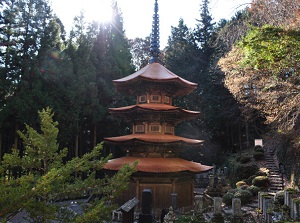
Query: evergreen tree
x=43, y=178
x=22, y=95
x=140, y=51
x=203, y=34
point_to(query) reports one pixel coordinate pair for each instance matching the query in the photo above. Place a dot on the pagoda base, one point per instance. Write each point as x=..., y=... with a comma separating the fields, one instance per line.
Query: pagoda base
x=162, y=186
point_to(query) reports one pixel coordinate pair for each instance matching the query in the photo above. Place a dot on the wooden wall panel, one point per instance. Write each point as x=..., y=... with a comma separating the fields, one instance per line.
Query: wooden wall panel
x=161, y=194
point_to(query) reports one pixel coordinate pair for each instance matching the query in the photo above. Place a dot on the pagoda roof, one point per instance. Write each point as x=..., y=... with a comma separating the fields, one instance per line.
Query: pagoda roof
x=154, y=107
x=153, y=139
x=157, y=73
x=157, y=165
x=177, y=114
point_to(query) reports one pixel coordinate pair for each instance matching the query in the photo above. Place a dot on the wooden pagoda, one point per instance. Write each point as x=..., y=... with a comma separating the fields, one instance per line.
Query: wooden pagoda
x=153, y=142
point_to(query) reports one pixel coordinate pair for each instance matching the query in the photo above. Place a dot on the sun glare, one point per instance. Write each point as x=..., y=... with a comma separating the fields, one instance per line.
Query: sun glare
x=98, y=10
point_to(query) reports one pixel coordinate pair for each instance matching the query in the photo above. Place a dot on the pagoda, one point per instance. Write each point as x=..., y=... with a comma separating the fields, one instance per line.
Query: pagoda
x=153, y=142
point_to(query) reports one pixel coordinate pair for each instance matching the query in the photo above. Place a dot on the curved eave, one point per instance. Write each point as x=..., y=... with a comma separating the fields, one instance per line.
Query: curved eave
x=157, y=73
x=153, y=107
x=152, y=138
x=157, y=165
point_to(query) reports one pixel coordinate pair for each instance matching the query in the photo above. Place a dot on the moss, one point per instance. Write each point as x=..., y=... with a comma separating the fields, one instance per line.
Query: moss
x=296, y=200
x=292, y=190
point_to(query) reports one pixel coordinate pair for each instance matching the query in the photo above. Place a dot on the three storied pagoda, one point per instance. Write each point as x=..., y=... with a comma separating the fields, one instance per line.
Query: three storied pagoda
x=153, y=142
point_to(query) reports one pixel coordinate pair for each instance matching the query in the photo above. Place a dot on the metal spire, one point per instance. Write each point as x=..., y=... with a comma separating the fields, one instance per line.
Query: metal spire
x=154, y=46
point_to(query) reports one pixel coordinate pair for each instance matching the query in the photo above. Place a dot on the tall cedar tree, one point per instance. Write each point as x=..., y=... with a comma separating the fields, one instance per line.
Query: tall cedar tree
x=24, y=24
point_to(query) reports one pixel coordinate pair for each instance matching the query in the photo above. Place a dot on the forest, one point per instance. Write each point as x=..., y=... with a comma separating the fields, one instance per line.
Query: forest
x=246, y=68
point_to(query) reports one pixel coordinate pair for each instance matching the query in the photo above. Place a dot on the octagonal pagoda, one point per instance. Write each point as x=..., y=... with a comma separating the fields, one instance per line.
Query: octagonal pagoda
x=153, y=142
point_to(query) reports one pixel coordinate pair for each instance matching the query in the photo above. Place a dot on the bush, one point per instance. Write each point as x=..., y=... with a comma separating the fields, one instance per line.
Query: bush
x=244, y=187
x=245, y=159
x=279, y=197
x=240, y=183
x=254, y=190
x=259, y=149
x=227, y=198
x=244, y=195
x=258, y=155
x=261, y=181
x=245, y=171
x=292, y=190
x=261, y=173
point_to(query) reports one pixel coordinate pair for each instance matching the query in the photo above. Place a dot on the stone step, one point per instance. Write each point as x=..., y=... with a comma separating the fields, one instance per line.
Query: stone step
x=275, y=180
x=275, y=175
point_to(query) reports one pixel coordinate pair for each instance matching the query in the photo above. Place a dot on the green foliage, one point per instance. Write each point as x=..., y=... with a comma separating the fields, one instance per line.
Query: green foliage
x=261, y=181
x=279, y=197
x=254, y=190
x=244, y=159
x=243, y=171
x=190, y=219
x=258, y=155
x=259, y=149
x=37, y=177
x=244, y=195
x=227, y=198
x=271, y=48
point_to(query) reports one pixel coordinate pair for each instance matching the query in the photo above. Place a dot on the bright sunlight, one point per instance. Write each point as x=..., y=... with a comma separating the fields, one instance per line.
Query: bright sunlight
x=97, y=10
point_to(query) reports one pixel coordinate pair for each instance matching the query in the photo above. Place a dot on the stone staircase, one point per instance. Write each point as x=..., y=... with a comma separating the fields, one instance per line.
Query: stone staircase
x=275, y=176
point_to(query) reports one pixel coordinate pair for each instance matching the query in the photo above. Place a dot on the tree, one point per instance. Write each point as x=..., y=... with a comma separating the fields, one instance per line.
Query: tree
x=275, y=12
x=203, y=34
x=43, y=178
x=140, y=51
x=262, y=74
x=22, y=30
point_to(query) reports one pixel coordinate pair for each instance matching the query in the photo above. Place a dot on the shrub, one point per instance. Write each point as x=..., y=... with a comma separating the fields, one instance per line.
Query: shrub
x=258, y=155
x=244, y=195
x=261, y=173
x=245, y=159
x=227, y=198
x=279, y=197
x=292, y=190
x=254, y=190
x=240, y=183
x=261, y=181
x=258, y=149
x=244, y=187
x=245, y=171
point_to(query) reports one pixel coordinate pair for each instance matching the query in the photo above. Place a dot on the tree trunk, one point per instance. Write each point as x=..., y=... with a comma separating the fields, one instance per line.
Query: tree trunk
x=0, y=146
x=76, y=145
x=16, y=137
x=240, y=137
x=247, y=134
x=95, y=136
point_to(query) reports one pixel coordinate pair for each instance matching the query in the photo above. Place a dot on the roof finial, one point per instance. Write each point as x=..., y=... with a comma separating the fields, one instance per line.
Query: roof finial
x=154, y=46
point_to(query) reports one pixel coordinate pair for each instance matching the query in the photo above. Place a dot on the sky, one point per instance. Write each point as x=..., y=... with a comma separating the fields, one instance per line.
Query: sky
x=137, y=14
